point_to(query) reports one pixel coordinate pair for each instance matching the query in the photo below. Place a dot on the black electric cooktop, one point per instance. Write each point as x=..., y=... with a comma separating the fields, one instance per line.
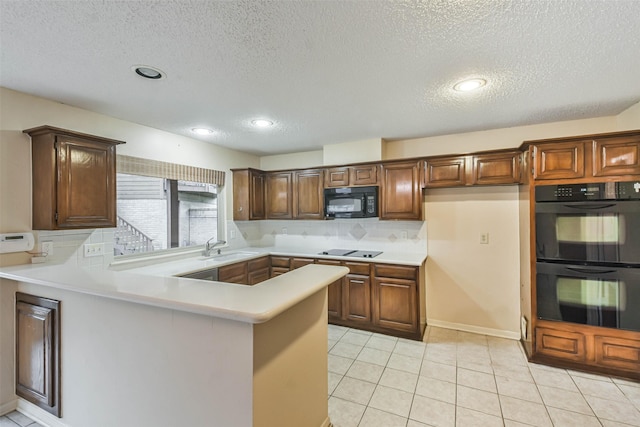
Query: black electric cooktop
x=351, y=253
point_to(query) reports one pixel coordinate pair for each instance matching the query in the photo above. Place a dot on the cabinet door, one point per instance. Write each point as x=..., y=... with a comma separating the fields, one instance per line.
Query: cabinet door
x=401, y=193
x=257, y=276
x=395, y=304
x=357, y=298
x=363, y=175
x=37, y=351
x=336, y=177
x=616, y=156
x=561, y=344
x=233, y=273
x=86, y=184
x=334, y=293
x=559, y=160
x=256, y=195
x=445, y=172
x=279, y=195
x=308, y=200
x=617, y=353
x=497, y=168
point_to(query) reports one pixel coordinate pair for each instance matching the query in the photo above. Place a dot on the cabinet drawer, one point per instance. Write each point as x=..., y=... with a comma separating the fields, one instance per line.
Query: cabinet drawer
x=232, y=273
x=358, y=267
x=395, y=271
x=277, y=271
x=616, y=156
x=300, y=262
x=363, y=175
x=561, y=344
x=328, y=262
x=617, y=353
x=257, y=264
x=280, y=261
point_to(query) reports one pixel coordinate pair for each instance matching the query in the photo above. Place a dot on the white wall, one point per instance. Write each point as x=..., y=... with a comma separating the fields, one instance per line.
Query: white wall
x=629, y=119
x=21, y=111
x=306, y=159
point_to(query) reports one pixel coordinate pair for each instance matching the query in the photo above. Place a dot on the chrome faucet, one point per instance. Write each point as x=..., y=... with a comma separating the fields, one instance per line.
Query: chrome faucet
x=208, y=247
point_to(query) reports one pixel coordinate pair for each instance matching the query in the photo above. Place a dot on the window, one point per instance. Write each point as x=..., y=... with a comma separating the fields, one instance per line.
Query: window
x=157, y=213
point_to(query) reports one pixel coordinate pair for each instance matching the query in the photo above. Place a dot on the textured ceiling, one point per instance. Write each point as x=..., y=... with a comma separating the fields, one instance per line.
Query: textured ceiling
x=326, y=71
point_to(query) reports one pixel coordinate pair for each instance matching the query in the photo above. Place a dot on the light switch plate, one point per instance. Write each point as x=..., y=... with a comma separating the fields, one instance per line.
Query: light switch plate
x=484, y=239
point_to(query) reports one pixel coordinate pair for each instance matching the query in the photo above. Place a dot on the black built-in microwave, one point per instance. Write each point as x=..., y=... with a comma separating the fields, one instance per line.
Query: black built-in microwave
x=351, y=202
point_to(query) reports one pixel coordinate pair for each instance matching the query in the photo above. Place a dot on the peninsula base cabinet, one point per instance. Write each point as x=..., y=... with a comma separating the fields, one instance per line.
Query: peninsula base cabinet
x=38, y=351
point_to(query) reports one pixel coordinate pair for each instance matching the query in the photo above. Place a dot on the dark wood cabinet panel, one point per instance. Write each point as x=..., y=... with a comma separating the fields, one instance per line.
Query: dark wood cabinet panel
x=308, y=196
x=401, y=195
x=395, y=271
x=336, y=177
x=561, y=343
x=363, y=175
x=74, y=179
x=38, y=351
x=564, y=160
x=347, y=176
x=395, y=304
x=257, y=276
x=445, y=172
x=357, y=298
x=233, y=273
x=497, y=168
x=616, y=156
x=300, y=262
x=279, y=195
x=280, y=261
x=277, y=271
x=334, y=293
x=617, y=352
x=248, y=194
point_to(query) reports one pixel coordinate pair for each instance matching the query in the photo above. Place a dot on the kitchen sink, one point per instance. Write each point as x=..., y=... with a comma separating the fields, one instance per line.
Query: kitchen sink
x=227, y=257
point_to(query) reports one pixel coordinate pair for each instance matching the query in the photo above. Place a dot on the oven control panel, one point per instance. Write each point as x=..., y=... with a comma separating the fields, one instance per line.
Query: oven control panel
x=591, y=191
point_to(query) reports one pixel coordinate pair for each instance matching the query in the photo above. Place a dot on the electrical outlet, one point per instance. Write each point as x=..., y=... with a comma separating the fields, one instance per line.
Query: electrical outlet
x=93, y=249
x=232, y=234
x=46, y=248
x=404, y=235
x=284, y=230
x=484, y=239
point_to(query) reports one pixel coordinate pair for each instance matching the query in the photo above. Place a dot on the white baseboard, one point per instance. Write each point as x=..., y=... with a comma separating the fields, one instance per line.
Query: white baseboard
x=38, y=414
x=475, y=329
x=11, y=406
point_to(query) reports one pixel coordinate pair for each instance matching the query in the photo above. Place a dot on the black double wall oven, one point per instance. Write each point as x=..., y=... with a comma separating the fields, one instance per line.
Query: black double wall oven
x=588, y=253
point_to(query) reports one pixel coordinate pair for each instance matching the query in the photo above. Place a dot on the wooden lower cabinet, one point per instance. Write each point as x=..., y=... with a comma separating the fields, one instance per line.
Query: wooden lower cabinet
x=233, y=273
x=258, y=270
x=395, y=304
x=357, y=307
x=38, y=351
x=602, y=350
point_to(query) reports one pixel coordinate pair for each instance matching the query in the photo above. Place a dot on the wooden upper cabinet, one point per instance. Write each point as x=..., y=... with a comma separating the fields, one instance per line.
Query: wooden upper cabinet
x=401, y=195
x=351, y=176
x=279, y=195
x=74, y=179
x=336, y=177
x=248, y=194
x=559, y=161
x=616, y=156
x=308, y=199
x=445, y=172
x=497, y=168
x=581, y=158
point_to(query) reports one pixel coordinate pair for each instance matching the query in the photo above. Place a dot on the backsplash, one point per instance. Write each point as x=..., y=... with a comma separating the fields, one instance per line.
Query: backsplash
x=68, y=246
x=369, y=234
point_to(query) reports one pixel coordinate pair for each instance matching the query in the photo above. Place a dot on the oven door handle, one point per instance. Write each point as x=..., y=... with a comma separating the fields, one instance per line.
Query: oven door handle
x=589, y=271
x=590, y=206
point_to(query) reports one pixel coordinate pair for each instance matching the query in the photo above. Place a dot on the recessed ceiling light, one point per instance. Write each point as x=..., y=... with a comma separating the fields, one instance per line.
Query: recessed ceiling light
x=469, y=85
x=148, y=72
x=262, y=123
x=202, y=131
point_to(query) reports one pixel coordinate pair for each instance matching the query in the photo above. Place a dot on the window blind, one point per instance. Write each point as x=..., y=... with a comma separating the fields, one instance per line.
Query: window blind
x=155, y=168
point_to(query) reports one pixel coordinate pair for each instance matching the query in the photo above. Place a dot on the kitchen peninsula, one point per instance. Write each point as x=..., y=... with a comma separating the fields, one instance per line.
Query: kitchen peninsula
x=151, y=350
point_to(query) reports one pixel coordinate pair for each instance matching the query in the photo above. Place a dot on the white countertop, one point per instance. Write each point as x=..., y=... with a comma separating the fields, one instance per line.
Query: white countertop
x=252, y=304
x=154, y=283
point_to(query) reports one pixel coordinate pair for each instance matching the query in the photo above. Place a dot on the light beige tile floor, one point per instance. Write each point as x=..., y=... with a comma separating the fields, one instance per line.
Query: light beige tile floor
x=458, y=378
x=17, y=419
